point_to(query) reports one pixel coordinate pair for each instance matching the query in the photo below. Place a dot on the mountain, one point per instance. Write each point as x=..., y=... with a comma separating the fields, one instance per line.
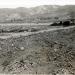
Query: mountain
x=40, y=13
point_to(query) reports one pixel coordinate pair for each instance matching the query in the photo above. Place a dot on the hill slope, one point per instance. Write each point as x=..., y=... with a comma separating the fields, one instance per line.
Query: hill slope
x=44, y=12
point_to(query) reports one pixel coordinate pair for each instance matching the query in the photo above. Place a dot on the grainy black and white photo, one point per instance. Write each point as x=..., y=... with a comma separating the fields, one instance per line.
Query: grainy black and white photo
x=37, y=37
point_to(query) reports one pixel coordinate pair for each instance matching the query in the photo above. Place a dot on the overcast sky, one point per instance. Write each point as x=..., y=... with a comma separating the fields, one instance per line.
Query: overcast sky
x=33, y=3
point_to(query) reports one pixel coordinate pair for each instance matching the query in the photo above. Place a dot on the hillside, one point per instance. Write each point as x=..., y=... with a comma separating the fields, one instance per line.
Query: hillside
x=43, y=13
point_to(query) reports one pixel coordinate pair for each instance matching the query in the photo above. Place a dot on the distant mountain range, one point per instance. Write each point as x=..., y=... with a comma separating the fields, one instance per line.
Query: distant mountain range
x=43, y=13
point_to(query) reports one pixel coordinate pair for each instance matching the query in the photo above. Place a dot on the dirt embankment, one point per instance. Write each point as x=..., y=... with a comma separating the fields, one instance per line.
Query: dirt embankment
x=49, y=52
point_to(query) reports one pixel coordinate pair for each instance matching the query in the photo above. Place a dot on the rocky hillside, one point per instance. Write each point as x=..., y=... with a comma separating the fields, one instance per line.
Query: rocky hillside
x=48, y=52
x=44, y=13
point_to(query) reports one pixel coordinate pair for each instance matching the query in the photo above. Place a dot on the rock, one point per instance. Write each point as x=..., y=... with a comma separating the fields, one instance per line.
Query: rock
x=22, y=48
x=12, y=44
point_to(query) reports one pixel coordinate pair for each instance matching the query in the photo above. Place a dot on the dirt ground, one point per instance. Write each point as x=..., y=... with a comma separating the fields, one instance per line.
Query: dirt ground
x=50, y=51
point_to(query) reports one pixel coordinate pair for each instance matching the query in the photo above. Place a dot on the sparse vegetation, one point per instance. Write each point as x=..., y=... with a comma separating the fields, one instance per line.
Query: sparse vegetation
x=41, y=47
x=49, y=52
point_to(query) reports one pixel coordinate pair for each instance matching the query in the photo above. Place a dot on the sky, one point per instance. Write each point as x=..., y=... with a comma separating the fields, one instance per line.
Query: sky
x=33, y=3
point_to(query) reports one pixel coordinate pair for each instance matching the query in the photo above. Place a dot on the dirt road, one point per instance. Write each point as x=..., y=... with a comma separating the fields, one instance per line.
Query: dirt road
x=14, y=35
